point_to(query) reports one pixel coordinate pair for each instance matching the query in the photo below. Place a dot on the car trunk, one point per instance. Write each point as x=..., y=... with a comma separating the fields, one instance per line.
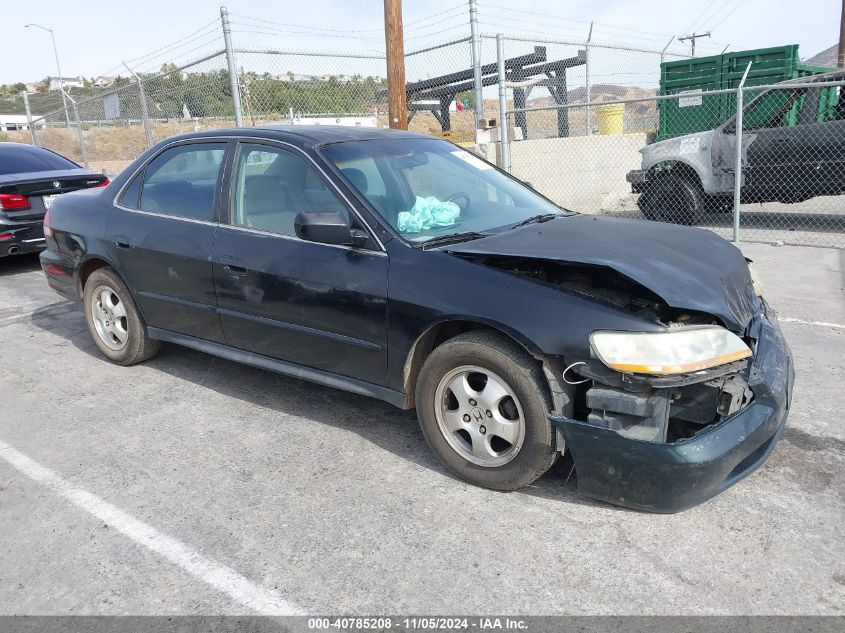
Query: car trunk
x=39, y=187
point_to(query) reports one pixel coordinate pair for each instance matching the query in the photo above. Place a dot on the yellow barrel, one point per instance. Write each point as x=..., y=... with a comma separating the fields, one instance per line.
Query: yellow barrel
x=611, y=118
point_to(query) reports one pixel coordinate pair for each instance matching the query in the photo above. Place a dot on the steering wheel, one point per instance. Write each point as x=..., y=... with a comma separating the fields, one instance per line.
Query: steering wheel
x=460, y=195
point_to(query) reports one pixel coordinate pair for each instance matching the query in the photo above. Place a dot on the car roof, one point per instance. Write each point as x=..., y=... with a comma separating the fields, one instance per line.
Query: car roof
x=20, y=146
x=306, y=136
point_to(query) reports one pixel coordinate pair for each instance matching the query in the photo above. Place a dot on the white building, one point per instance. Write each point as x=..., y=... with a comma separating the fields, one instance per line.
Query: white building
x=104, y=81
x=69, y=82
x=12, y=122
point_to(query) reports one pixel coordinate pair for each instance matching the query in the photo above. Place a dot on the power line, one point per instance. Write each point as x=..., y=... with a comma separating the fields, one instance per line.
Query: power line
x=695, y=22
x=586, y=23
x=735, y=9
x=453, y=10
x=171, y=47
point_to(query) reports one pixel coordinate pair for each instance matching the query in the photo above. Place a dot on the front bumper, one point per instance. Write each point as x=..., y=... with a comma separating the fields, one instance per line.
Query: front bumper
x=638, y=179
x=671, y=477
x=17, y=238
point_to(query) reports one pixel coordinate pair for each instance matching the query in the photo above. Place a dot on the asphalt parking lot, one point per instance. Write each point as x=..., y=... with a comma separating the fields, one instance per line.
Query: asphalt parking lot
x=193, y=485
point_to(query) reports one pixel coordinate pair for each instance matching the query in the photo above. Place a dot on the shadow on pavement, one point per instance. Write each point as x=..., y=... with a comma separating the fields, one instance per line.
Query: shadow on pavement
x=17, y=264
x=375, y=421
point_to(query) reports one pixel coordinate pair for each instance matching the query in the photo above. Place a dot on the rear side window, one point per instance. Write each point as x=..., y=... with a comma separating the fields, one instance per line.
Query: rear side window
x=181, y=181
x=130, y=196
x=21, y=160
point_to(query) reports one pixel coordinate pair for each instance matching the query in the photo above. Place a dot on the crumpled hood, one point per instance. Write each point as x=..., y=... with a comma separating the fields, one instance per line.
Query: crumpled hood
x=688, y=268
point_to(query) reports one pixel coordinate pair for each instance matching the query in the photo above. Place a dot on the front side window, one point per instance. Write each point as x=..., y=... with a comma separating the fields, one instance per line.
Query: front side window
x=773, y=109
x=428, y=188
x=181, y=181
x=271, y=186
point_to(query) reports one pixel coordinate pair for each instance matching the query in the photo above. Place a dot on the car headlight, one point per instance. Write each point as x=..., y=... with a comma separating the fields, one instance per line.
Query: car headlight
x=678, y=351
x=756, y=280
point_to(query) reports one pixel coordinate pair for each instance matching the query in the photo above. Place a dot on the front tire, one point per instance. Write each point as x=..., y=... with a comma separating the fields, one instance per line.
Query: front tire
x=673, y=199
x=483, y=409
x=114, y=321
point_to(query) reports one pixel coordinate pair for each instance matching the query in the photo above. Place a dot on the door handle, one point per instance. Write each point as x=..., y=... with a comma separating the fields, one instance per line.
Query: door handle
x=233, y=265
x=232, y=269
x=121, y=241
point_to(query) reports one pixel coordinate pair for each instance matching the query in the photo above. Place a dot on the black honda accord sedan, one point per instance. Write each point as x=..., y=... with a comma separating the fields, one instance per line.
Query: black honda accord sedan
x=405, y=268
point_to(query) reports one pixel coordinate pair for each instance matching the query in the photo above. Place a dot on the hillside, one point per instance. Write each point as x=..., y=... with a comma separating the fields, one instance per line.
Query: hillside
x=598, y=92
x=826, y=58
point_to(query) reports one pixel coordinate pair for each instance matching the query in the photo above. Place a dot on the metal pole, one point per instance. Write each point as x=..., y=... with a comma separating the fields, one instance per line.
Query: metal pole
x=841, y=56
x=145, y=115
x=476, y=62
x=58, y=68
x=61, y=77
x=587, y=76
x=79, y=133
x=29, y=117
x=504, y=140
x=665, y=48
x=230, y=61
x=738, y=156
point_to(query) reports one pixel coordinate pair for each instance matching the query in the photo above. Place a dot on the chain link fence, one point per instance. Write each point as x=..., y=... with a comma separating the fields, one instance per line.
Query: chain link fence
x=586, y=125
x=661, y=158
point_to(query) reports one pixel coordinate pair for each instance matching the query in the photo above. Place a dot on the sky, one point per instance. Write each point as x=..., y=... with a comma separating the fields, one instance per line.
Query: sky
x=94, y=37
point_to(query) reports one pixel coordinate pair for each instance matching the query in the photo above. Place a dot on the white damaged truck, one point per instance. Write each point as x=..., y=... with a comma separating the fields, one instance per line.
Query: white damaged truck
x=793, y=149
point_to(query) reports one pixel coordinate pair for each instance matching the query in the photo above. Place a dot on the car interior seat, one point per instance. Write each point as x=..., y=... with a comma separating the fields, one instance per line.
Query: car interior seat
x=266, y=205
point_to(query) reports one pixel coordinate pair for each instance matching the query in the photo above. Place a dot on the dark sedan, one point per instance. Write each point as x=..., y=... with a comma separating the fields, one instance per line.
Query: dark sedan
x=30, y=179
x=403, y=267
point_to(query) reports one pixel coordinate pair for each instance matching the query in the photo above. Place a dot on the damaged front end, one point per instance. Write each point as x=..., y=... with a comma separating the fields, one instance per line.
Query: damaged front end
x=666, y=443
x=665, y=438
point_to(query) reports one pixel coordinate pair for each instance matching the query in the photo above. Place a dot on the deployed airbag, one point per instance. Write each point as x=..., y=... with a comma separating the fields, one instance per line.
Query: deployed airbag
x=427, y=213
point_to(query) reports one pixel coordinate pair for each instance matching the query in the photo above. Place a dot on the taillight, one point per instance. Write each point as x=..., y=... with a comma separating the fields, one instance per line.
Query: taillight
x=13, y=202
x=47, y=230
x=103, y=184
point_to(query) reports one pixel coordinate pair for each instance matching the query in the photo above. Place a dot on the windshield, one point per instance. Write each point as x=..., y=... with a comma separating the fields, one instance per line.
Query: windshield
x=430, y=188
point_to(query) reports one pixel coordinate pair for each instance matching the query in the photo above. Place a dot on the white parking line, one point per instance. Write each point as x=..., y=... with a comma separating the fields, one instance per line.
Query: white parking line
x=260, y=599
x=837, y=326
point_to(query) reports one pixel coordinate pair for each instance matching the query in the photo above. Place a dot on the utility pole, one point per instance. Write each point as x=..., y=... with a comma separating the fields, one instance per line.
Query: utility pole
x=842, y=37
x=397, y=100
x=692, y=37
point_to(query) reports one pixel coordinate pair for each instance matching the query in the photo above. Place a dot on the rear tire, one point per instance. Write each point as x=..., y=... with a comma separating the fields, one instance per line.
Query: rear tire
x=674, y=199
x=483, y=408
x=114, y=321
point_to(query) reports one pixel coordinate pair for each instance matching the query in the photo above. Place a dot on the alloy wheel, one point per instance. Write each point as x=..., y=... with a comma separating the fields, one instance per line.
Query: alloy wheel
x=109, y=316
x=480, y=416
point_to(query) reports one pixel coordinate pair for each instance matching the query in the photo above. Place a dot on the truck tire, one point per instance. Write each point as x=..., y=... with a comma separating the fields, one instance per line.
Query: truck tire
x=675, y=199
x=483, y=408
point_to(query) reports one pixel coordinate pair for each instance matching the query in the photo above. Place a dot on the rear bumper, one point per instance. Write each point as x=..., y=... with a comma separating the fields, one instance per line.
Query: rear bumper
x=61, y=274
x=672, y=477
x=17, y=238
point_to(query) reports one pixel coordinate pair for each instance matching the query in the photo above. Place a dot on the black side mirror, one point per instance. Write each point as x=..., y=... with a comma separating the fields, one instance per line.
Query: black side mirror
x=328, y=228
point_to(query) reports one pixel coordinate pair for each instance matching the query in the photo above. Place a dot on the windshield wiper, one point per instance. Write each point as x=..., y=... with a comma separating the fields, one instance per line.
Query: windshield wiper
x=537, y=219
x=451, y=239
